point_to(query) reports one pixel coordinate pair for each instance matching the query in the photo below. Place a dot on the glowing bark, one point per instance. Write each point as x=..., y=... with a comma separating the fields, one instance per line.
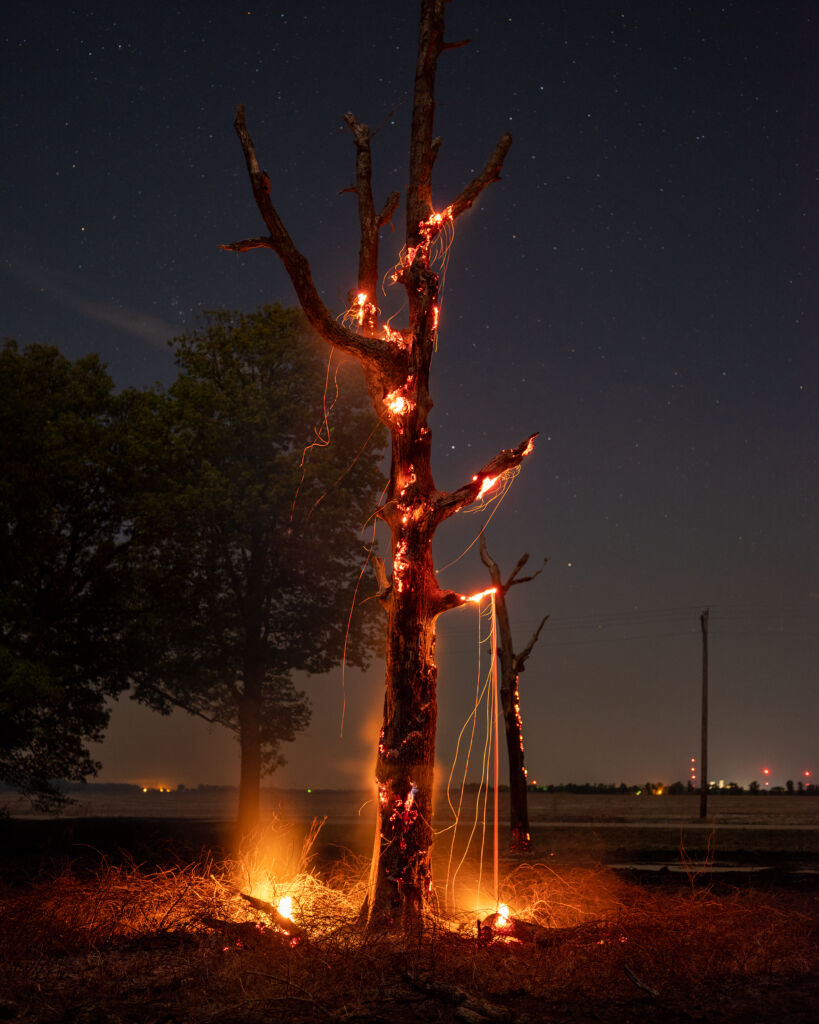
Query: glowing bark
x=396, y=366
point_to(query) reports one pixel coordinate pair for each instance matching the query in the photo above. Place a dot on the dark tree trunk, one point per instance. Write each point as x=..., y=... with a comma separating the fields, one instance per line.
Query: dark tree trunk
x=521, y=837
x=396, y=365
x=250, y=771
x=511, y=666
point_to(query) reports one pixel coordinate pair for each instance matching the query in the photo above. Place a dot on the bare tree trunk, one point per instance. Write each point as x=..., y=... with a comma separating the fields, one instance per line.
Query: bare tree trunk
x=396, y=365
x=250, y=771
x=511, y=666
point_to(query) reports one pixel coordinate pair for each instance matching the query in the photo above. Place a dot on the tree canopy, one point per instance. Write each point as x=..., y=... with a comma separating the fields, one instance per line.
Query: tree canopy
x=62, y=497
x=247, y=531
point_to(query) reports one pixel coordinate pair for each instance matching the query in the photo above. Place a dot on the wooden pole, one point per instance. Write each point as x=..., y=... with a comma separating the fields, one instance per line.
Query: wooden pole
x=704, y=730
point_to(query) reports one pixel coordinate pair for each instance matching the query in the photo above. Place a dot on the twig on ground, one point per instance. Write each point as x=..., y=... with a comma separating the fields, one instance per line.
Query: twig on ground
x=640, y=984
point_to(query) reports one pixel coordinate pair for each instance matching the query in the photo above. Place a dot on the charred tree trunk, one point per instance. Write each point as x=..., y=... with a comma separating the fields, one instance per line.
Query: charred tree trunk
x=511, y=666
x=396, y=365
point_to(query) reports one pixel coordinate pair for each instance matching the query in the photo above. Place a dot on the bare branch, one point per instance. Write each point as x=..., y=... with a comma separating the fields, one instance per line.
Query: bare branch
x=368, y=250
x=524, y=558
x=490, y=173
x=180, y=702
x=447, y=503
x=384, y=586
x=525, y=579
x=422, y=151
x=521, y=659
x=249, y=243
x=447, y=600
x=369, y=350
x=391, y=205
x=489, y=562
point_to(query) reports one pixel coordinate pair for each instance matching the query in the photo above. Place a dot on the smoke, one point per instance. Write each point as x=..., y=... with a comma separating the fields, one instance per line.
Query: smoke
x=58, y=286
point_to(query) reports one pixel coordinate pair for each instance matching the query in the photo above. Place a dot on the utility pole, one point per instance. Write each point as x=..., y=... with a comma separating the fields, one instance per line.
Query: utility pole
x=704, y=732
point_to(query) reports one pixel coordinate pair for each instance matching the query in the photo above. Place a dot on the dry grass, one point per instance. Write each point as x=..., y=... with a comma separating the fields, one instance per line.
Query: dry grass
x=181, y=945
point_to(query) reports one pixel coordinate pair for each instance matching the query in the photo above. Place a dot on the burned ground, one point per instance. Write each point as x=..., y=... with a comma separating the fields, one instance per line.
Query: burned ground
x=93, y=932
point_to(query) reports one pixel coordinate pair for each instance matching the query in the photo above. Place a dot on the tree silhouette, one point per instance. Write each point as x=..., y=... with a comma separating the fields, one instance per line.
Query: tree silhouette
x=246, y=538
x=63, y=493
x=396, y=365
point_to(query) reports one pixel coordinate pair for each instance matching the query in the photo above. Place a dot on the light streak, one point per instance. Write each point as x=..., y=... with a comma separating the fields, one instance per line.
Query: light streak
x=360, y=311
x=477, y=598
x=322, y=433
x=437, y=225
x=481, y=692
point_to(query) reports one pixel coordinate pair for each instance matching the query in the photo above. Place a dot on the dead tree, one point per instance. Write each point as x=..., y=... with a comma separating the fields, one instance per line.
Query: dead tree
x=511, y=666
x=396, y=366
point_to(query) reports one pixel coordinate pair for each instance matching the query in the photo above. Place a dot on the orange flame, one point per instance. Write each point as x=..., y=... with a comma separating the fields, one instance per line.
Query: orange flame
x=487, y=484
x=396, y=403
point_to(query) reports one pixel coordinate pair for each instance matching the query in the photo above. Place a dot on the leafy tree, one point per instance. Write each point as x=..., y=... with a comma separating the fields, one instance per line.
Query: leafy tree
x=247, y=548
x=62, y=493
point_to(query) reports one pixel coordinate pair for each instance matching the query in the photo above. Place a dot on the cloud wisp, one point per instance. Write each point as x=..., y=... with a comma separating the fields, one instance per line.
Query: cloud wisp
x=58, y=286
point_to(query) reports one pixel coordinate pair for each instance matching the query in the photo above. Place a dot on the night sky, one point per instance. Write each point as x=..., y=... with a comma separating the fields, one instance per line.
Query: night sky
x=641, y=287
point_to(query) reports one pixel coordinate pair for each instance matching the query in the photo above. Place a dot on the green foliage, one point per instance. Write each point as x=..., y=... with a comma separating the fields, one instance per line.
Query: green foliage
x=62, y=432
x=247, y=548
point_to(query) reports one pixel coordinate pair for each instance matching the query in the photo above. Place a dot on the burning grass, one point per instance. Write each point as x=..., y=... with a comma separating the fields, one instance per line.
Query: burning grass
x=130, y=945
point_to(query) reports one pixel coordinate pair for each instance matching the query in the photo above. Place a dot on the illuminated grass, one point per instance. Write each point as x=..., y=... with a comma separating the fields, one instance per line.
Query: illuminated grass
x=182, y=945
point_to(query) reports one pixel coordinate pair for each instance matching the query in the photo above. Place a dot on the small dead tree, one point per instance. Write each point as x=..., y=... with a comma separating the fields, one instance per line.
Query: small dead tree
x=511, y=666
x=396, y=366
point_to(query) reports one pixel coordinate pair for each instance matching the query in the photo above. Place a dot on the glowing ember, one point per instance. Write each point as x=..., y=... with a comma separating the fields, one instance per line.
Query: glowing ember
x=487, y=484
x=503, y=915
x=477, y=598
x=435, y=221
x=400, y=565
x=396, y=403
x=285, y=907
x=393, y=337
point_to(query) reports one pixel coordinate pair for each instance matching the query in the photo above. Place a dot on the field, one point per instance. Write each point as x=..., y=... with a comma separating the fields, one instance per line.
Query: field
x=140, y=920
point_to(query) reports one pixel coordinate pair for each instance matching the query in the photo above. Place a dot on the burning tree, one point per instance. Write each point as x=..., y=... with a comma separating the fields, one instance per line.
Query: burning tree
x=511, y=666
x=396, y=366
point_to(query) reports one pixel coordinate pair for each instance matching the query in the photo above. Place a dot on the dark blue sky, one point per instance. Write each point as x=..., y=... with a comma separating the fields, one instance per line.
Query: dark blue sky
x=640, y=287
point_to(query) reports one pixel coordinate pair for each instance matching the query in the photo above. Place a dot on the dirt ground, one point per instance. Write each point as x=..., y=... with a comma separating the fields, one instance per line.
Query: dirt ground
x=632, y=917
